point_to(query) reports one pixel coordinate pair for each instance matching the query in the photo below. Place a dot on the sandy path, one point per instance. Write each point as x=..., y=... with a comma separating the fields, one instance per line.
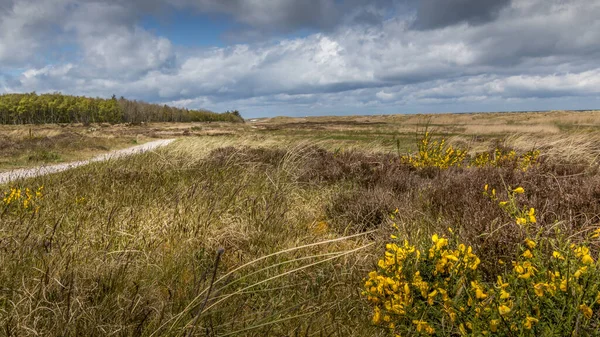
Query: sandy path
x=42, y=170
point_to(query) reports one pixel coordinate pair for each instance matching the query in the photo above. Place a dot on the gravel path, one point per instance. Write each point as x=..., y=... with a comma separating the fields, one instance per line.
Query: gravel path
x=42, y=170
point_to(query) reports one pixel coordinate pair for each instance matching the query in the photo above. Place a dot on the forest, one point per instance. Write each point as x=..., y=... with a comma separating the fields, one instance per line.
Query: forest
x=31, y=108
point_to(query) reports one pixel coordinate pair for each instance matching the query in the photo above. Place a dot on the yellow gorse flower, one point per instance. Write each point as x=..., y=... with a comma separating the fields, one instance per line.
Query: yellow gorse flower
x=423, y=326
x=563, y=285
x=503, y=310
x=531, y=215
x=539, y=289
x=530, y=243
x=494, y=325
x=529, y=321
x=587, y=311
x=519, y=190
x=376, y=315
x=587, y=259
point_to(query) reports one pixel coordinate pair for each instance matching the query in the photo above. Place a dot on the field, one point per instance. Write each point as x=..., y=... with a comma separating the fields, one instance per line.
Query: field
x=280, y=227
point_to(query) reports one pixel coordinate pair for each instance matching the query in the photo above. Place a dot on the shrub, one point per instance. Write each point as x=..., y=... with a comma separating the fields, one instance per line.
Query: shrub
x=434, y=153
x=506, y=158
x=438, y=154
x=552, y=286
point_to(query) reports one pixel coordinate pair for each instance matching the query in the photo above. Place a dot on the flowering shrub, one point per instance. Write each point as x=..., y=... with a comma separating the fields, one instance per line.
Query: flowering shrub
x=18, y=199
x=501, y=158
x=436, y=153
x=551, y=288
x=433, y=153
x=425, y=291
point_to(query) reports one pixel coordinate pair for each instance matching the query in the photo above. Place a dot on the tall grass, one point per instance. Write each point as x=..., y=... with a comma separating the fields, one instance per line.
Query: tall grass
x=218, y=237
x=133, y=252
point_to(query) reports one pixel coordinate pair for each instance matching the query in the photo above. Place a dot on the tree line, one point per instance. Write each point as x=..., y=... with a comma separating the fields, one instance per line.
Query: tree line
x=31, y=108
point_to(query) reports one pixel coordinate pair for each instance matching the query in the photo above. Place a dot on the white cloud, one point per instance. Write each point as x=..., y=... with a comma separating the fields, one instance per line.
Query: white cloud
x=534, y=49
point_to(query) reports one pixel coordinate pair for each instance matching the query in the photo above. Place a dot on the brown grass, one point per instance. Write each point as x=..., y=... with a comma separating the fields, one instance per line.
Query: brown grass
x=136, y=257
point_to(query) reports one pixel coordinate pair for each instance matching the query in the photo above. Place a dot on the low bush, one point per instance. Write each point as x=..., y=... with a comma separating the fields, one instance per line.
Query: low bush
x=551, y=286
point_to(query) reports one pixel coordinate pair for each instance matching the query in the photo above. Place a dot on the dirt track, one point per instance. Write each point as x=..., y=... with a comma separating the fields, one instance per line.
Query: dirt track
x=42, y=170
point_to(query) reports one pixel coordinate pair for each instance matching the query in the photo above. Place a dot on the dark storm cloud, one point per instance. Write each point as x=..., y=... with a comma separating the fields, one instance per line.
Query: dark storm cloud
x=288, y=15
x=433, y=14
x=6, y=5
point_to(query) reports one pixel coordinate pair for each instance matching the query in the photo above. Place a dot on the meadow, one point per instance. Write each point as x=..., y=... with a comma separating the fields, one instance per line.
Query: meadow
x=399, y=225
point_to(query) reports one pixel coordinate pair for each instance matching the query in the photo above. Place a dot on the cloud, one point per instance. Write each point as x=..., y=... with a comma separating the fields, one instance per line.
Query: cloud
x=373, y=60
x=288, y=15
x=433, y=14
x=25, y=26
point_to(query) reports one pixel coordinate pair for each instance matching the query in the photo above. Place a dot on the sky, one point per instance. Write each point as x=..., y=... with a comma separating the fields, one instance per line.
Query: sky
x=309, y=57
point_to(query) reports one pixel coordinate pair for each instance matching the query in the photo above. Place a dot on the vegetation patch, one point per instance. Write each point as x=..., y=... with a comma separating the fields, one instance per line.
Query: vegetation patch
x=257, y=234
x=57, y=108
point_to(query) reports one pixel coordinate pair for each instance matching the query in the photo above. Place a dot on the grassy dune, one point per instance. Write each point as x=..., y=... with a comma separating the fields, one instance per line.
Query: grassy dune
x=270, y=229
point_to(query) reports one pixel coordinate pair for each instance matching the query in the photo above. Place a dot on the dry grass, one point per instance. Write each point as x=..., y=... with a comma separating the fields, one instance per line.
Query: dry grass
x=129, y=247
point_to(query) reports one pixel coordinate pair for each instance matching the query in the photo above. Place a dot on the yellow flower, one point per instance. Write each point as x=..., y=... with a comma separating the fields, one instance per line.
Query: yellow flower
x=504, y=294
x=503, y=309
x=587, y=311
x=519, y=269
x=501, y=283
x=529, y=321
x=587, y=259
x=557, y=255
x=439, y=242
x=519, y=190
x=580, y=272
x=521, y=221
x=539, y=289
x=485, y=188
x=581, y=251
x=527, y=254
x=596, y=234
x=531, y=215
x=376, y=315
x=563, y=285
x=494, y=325
x=423, y=326
x=502, y=203
x=530, y=243
x=525, y=276
x=431, y=297
x=480, y=294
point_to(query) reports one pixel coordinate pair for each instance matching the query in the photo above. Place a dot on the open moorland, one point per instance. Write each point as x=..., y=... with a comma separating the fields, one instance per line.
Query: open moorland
x=397, y=225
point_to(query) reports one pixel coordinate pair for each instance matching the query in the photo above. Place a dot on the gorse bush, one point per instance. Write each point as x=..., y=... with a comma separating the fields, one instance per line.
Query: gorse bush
x=551, y=288
x=502, y=158
x=435, y=153
x=418, y=290
x=438, y=154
